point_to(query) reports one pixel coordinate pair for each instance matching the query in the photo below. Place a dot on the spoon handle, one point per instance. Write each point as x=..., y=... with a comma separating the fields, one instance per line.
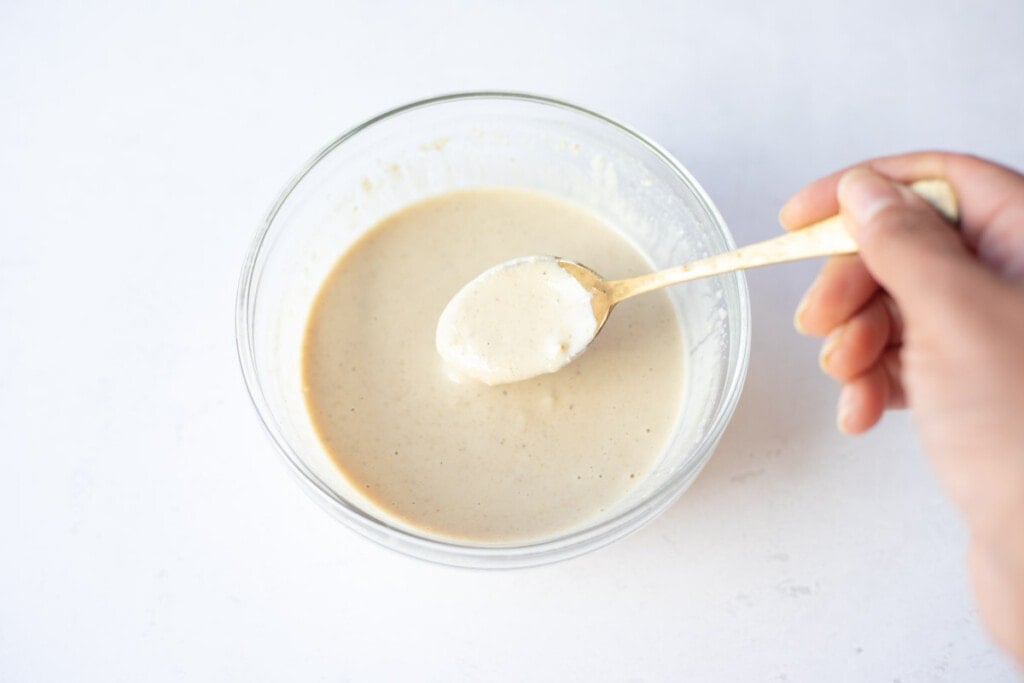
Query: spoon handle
x=825, y=238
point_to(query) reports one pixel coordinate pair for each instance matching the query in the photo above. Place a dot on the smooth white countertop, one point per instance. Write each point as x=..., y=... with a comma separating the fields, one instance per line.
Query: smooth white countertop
x=149, y=530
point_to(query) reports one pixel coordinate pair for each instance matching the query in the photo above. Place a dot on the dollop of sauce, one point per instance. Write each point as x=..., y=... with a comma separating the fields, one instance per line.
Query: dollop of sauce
x=517, y=320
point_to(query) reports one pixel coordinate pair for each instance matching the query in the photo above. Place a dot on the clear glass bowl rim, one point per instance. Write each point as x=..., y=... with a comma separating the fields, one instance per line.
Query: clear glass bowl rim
x=488, y=556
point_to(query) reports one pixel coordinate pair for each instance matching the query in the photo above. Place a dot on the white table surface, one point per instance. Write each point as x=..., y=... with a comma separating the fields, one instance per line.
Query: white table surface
x=149, y=530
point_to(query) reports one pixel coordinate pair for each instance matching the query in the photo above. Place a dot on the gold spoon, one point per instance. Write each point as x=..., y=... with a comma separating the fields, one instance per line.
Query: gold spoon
x=825, y=238
x=531, y=316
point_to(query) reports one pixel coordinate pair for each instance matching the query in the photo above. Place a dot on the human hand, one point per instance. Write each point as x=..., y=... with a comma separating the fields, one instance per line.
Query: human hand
x=932, y=319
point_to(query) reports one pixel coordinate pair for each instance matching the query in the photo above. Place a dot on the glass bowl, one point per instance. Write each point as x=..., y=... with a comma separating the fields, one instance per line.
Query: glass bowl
x=489, y=139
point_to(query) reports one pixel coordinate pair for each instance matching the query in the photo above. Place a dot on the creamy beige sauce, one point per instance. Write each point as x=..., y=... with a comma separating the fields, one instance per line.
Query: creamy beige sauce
x=519, y=319
x=464, y=460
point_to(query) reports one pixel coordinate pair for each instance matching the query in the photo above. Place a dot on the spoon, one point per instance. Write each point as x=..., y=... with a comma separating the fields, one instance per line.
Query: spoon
x=824, y=238
x=534, y=315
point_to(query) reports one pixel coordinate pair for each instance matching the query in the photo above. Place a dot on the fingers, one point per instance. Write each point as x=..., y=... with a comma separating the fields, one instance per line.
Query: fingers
x=864, y=399
x=920, y=261
x=856, y=345
x=987, y=191
x=843, y=288
x=863, y=354
x=911, y=263
x=818, y=200
x=908, y=248
x=812, y=203
x=862, y=402
x=991, y=201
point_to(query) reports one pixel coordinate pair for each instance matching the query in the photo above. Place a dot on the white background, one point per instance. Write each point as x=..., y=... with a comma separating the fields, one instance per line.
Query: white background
x=149, y=530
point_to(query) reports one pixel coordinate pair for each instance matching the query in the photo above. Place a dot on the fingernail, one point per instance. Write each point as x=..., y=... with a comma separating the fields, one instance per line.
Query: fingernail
x=805, y=303
x=863, y=194
x=845, y=410
x=801, y=308
x=832, y=342
x=782, y=215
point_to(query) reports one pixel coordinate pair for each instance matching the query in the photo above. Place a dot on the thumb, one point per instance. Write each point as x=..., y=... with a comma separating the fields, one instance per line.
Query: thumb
x=906, y=245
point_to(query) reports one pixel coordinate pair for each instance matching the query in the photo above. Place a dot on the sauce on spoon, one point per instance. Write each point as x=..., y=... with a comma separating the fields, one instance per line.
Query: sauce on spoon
x=520, y=319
